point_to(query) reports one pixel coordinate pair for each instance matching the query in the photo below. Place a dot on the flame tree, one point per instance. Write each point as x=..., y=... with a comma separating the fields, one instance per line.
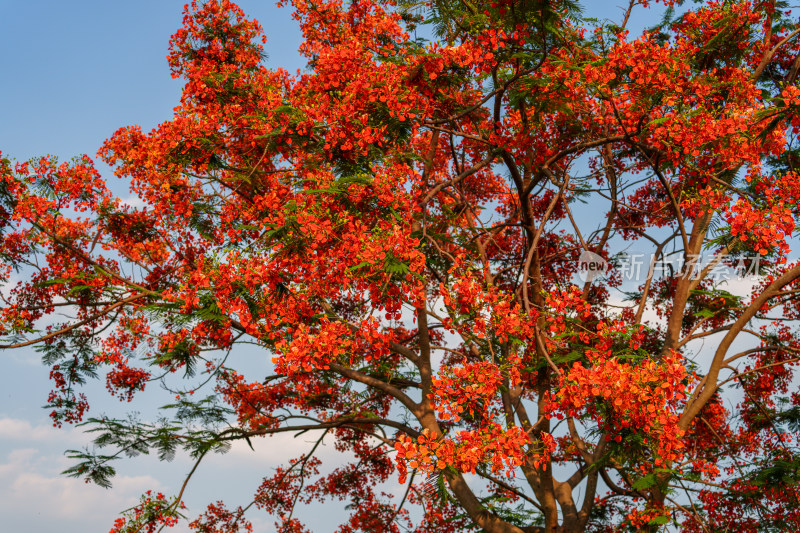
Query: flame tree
x=398, y=228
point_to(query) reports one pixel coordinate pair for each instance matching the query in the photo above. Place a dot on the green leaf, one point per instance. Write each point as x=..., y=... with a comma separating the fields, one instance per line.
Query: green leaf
x=78, y=288
x=659, y=120
x=644, y=482
x=574, y=355
x=392, y=265
x=359, y=266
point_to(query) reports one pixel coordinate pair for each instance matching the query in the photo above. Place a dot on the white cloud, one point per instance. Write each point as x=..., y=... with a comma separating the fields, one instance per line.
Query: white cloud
x=133, y=201
x=35, y=497
x=16, y=429
x=277, y=450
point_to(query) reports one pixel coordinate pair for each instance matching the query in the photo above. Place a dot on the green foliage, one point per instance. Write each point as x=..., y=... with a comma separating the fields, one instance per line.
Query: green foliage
x=195, y=427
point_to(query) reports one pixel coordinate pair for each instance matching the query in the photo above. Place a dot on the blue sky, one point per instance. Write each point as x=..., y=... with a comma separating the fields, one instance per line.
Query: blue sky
x=74, y=72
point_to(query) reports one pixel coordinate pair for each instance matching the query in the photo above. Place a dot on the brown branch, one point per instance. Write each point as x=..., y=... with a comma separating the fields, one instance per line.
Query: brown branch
x=239, y=433
x=356, y=375
x=468, y=172
x=768, y=56
x=69, y=328
x=706, y=390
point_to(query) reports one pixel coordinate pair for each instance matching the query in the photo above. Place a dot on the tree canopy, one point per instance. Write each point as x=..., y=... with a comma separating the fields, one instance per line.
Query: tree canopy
x=432, y=240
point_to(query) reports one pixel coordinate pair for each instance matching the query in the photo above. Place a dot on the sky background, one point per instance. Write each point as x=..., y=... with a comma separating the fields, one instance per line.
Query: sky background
x=72, y=73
